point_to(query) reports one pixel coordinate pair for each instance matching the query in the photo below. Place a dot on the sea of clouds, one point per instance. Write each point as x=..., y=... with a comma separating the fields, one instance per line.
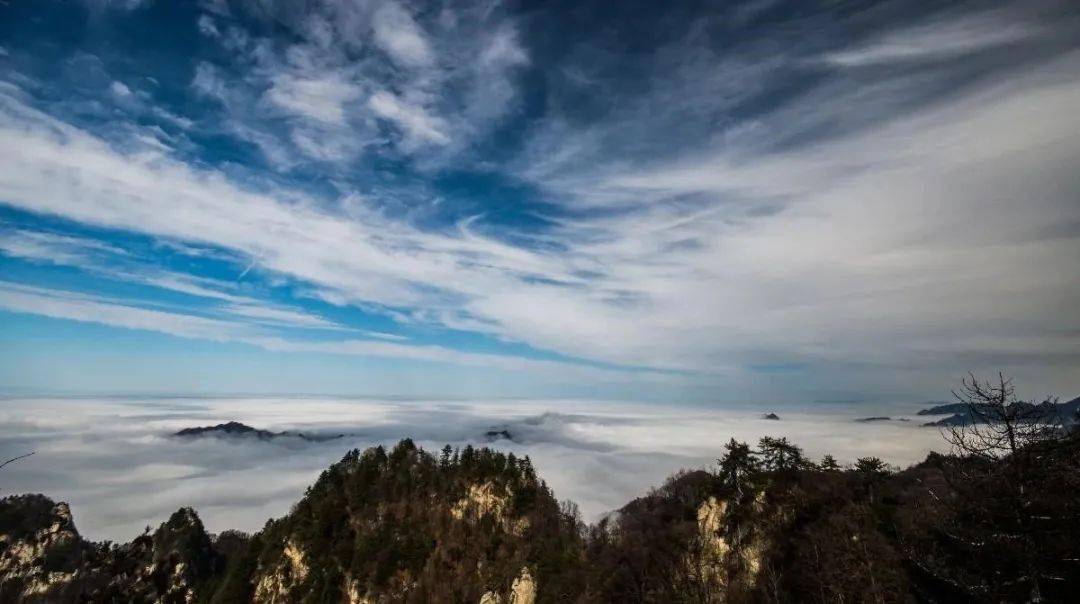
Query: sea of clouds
x=118, y=465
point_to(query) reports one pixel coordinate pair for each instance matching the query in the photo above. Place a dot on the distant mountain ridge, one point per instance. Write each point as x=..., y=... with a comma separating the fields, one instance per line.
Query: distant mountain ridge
x=237, y=429
x=959, y=414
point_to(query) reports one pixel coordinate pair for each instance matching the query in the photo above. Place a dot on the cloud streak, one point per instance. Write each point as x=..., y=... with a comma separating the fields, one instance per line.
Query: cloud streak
x=250, y=325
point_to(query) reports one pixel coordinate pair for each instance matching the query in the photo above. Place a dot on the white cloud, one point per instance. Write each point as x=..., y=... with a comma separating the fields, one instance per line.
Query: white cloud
x=208, y=81
x=61, y=304
x=352, y=65
x=279, y=316
x=940, y=39
x=400, y=37
x=323, y=99
x=207, y=27
x=67, y=305
x=51, y=247
x=100, y=258
x=120, y=89
x=418, y=126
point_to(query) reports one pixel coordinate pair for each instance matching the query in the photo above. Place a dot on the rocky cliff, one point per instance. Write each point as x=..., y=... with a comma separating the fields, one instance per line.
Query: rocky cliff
x=45, y=560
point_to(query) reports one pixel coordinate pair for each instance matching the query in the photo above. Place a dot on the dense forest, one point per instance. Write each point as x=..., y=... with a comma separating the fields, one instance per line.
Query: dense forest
x=997, y=520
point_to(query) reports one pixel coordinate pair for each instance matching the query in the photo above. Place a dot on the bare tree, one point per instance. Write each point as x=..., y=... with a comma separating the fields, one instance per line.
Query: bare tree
x=1009, y=450
x=17, y=458
x=997, y=423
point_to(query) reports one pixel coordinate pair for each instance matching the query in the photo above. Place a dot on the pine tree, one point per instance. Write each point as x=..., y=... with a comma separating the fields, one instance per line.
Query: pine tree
x=738, y=466
x=829, y=464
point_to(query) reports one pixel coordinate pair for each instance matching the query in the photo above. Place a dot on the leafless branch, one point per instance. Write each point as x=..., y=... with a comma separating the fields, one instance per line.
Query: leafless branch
x=997, y=423
x=17, y=458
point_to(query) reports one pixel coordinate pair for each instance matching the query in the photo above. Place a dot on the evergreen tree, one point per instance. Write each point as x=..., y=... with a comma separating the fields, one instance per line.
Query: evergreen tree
x=444, y=461
x=779, y=455
x=829, y=464
x=738, y=466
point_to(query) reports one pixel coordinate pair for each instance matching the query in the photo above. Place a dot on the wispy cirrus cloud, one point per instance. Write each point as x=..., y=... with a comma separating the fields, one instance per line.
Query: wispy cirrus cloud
x=617, y=282
x=89, y=308
x=370, y=77
x=232, y=325
x=846, y=192
x=119, y=264
x=940, y=39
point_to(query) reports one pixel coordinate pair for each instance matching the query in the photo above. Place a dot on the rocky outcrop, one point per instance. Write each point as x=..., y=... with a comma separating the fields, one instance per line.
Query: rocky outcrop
x=522, y=591
x=44, y=559
x=707, y=561
x=480, y=500
x=41, y=550
x=276, y=583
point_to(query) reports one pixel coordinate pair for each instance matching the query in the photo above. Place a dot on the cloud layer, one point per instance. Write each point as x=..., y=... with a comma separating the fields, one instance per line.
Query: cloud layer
x=115, y=462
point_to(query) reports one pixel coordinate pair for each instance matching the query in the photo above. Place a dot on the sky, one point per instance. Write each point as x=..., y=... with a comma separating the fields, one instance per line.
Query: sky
x=698, y=201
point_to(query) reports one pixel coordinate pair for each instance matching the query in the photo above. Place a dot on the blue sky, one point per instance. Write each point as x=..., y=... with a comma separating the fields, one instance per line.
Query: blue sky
x=716, y=201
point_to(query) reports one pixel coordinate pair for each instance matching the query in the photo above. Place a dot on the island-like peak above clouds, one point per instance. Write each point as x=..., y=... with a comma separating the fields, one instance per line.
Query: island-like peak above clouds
x=235, y=429
x=962, y=414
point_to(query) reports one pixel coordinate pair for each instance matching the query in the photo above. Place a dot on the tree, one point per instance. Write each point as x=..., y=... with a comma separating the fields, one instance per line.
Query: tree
x=779, y=455
x=997, y=423
x=444, y=461
x=872, y=471
x=829, y=463
x=871, y=467
x=738, y=466
x=1018, y=530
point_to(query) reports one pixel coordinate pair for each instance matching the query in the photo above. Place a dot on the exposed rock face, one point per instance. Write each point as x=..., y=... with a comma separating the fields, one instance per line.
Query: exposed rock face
x=481, y=500
x=730, y=550
x=40, y=545
x=523, y=590
x=711, y=517
x=44, y=558
x=275, y=584
x=183, y=551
